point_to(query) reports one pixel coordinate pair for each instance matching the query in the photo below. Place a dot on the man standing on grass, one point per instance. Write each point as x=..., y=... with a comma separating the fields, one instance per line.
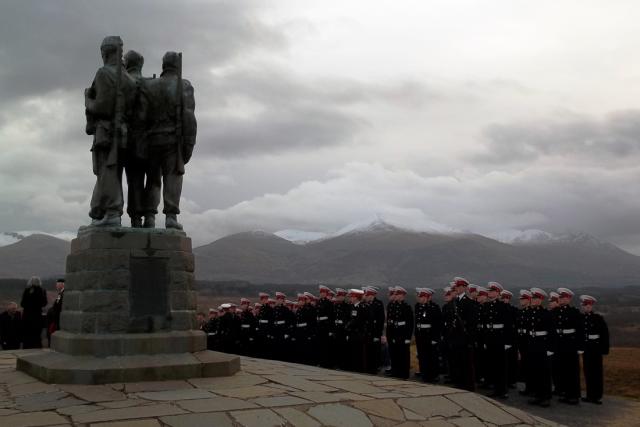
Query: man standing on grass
x=596, y=345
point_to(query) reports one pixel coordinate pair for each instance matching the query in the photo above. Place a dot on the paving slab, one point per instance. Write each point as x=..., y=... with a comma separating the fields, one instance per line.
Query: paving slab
x=33, y=419
x=31, y=388
x=180, y=394
x=258, y=418
x=382, y=422
x=156, y=386
x=385, y=408
x=214, y=419
x=299, y=383
x=270, y=402
x=430, y=406
x=437, y=423
x=130, y=423
x=249, y=392
x=483, y=409
x=227, y=382
x=339, y=415
x=215, y=404
x=77, y=410
x=93, y=393
x=149, y=411
x=467, y=422
x=124, y=403
x=297, y=418
x=354, y=386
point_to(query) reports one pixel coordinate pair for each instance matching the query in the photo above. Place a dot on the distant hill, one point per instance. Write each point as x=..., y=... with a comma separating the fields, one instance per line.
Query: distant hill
x=37, y=254
x=385, y=254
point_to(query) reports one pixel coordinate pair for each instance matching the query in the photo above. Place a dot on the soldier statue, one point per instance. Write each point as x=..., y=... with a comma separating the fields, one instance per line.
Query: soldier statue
x=108, y=108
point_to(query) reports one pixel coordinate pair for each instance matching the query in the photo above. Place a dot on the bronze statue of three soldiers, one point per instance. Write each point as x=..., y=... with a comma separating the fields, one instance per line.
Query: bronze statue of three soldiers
x=144, y=126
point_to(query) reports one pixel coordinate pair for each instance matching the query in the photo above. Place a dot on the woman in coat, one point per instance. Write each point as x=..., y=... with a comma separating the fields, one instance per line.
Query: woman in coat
x=34, y=298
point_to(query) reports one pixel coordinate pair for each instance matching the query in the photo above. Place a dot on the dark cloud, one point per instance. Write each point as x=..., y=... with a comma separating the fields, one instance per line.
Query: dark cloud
x=55, y=45
x=614, y=138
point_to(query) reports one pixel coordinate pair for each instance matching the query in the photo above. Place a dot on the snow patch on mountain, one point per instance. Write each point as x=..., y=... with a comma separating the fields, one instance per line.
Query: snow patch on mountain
x=300, y=237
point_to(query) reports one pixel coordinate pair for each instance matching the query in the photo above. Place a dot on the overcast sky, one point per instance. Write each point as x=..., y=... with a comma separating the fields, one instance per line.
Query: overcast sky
x=484, y=116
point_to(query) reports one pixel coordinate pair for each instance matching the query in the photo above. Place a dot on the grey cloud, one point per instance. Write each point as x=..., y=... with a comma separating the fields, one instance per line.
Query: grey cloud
x=596, y=141
x=55, y=45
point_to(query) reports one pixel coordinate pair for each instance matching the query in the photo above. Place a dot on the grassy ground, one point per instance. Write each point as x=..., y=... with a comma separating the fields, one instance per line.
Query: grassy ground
x=621, y=371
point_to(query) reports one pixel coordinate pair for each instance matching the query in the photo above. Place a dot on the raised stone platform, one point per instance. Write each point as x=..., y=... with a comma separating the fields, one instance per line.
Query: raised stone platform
x=129, y=312
x=264, y=393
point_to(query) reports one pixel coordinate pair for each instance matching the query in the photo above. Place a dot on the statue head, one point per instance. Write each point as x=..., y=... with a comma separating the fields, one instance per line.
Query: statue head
x=170, y=61
x=109, y=46
x=133, y=60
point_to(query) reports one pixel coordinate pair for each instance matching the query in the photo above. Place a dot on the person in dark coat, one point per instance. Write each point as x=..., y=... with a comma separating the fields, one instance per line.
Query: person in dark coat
x=34, y=298
x=342, y=312
x=283, y=326
x=11, y=327
x=480, y=346
x=356, y=331
x=540, y=348
x=498, y=326
x=248, y=323
x=375, y=327
x=428, y=324
x=53, y=315
x=522, y=340
x=403, y=331
x=569, y=328
x=211, y=328
x=264, y=330
x=512, y=353
x=325, y=317
x=465, y=314
x=390, y=332
x=596, y=345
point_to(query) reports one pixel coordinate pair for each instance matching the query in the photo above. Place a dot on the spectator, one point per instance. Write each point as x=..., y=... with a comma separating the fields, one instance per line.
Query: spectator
x=53, y=315
x=11, y=327
x=34, y=299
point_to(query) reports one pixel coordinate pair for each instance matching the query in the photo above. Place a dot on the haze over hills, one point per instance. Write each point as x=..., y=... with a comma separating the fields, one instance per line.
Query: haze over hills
x=376, y=252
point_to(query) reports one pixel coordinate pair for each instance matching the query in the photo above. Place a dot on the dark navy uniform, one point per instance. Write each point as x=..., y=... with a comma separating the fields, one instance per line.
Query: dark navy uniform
x=229, y=332
x=342, y=315
x=462, y=328
x=401, y=341
x=540, y=344
x=211, y=328
x=522, y=341
x=264, y=332
x=324, y=330
x=596, y=344
x=356, y=331
x=569, y=329
x=428, y=330
x=282, y=331
x=497, y=334
x=375, y=318
x=304, y=334
x=247, y=339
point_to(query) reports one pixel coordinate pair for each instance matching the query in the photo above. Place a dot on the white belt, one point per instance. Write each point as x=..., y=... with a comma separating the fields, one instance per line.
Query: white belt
x=424, y=325
x=354, y=312
x=401, y=323
x=246, y=326
x=566, y=331
x=301, y=325
x=212, y=334
x=495, y=325
x=593, y=337
x=280, y=322
x=538, y=333
x=323, y=318
x=264, y=321
x=339, y=322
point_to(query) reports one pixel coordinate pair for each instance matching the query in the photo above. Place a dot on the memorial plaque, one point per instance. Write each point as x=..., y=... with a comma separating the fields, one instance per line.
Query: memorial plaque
x=149, y=303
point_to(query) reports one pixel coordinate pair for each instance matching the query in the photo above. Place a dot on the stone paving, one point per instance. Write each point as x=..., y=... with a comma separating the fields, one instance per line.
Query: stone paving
x=264, y=393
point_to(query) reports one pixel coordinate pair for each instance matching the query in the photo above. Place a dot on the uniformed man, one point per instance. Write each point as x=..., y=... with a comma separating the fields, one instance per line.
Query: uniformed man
x=211, y=329
x=472, y=291
x=108, y=108
x=569, y=328
x=283, y=320
x=428, y=324
x=392, y=314
x=496, y=318
x=171, y=138
x=540, y=348
x=480, y=357
x=228, y=329
x=403, y=331
x=555, y=362
x=465, y=312
x=264, y=330
x=342, y=313
x=248, y=324
x=522, y=340
x=596, y=344
x=356, y=331
x=448, y=320
x=325, y=321
x=512, y=353
x=375, y=327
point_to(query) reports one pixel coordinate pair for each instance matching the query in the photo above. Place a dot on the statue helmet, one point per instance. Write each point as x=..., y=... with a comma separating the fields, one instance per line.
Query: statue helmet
x=170, y=60
x=111, y=41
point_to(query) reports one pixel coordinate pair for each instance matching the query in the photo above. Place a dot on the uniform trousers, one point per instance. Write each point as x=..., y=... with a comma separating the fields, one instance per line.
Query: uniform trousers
x=593, y=374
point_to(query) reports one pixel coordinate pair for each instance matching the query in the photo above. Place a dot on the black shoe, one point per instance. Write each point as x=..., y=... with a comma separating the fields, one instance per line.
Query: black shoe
x=150, y=221
x=171, y=221
x=544, y=403
x=107, y=221
x=499, y=396
x=524, y=392
x=136, y=222
x=569, y=401
x=533, y=401
x=594, y=401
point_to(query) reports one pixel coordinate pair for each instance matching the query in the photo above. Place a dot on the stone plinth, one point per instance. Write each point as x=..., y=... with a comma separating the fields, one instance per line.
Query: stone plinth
x=129, y=312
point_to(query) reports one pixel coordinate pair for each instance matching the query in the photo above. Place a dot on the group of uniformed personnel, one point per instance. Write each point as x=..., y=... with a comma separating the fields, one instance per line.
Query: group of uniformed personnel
x=476, y=339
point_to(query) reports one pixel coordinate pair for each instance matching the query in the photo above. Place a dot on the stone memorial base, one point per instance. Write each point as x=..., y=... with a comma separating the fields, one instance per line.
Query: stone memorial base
x=128, y=313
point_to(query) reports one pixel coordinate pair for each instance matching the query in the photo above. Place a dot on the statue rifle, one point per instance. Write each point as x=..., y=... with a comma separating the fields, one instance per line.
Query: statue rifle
x=116, y=125
x=179, y=118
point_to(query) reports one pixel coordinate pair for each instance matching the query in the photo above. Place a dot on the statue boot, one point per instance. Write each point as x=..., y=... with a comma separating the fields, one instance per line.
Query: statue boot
x=136, y=222
x=112, y=220
x=171, y=221
x=150, y=221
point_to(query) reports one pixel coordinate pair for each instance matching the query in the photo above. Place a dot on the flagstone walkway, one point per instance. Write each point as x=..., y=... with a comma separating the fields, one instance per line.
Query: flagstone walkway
x=264, y=393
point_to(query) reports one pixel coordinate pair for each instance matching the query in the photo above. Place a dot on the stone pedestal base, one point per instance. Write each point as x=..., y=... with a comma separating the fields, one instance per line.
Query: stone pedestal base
x=128, y=313
x=60, y=368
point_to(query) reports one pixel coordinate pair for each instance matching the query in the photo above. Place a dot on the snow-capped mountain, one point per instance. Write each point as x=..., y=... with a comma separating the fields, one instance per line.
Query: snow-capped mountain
x=300, y=237
x=540, y=237
x=10, y=237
